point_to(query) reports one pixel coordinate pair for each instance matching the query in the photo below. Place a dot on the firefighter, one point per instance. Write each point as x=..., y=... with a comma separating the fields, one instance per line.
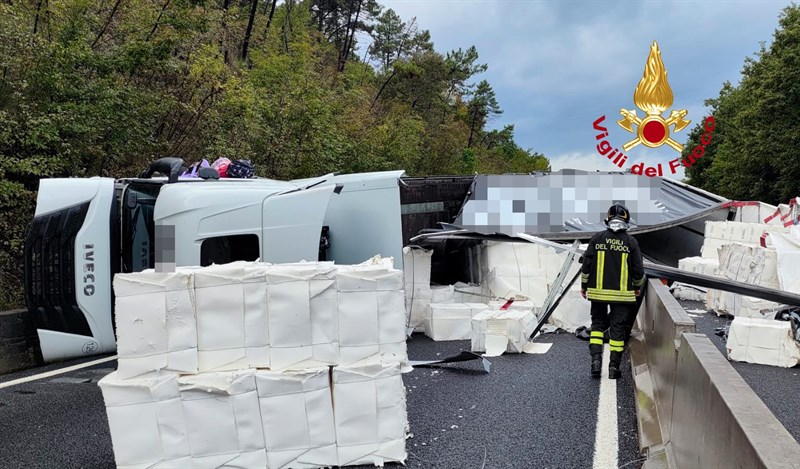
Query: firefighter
x=612, y=276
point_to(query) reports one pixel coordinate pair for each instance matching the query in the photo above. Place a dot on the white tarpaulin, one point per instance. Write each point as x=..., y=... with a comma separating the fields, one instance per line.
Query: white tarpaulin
x=496, y=332
x=297, y=415
x=763, y=341
x=156, y=322
x=146, y=421
x=223, y=420
x=371, y=313
x=369, y=402
x=232, y=320
x=451, y=321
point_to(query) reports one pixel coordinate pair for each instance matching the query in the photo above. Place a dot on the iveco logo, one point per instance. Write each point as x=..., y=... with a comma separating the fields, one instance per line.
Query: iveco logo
x=88, y=269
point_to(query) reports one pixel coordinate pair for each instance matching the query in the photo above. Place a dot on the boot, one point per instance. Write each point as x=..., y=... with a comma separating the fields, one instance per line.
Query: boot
x=597, y=364
x=613, y=371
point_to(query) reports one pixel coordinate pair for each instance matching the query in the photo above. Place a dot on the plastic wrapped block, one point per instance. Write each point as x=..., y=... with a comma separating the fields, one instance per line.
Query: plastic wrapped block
x=417, y=301
x=223, y=419
x=302, y=311
x=297, y=416
x=145, y=417
x=232, y=320
x=451, y=321
x=369, y=402
x=416, y=267
x=156, y=322
x=443, y=294
x=496, y=332
x=467, y=293
x=762, y=341
x=372, y=314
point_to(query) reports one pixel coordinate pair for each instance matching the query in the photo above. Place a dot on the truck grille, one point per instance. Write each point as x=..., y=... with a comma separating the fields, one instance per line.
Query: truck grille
x=50, y=271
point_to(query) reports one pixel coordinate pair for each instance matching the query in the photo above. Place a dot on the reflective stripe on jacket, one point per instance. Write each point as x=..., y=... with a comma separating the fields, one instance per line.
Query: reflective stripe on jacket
x=612, y=268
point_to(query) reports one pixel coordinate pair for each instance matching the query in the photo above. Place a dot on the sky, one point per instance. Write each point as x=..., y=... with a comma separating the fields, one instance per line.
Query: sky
x=557, y=66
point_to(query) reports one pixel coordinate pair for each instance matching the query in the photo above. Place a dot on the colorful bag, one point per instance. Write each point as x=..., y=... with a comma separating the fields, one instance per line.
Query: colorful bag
x=241, y=169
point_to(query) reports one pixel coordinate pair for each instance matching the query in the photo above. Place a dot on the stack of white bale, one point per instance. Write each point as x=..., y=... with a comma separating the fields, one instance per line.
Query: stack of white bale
x=753, y=265
x=528, y=271
x=256, y=365
x=719, y=234
x=417, y=270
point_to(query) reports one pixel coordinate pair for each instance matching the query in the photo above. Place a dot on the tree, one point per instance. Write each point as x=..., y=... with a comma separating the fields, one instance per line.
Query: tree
x=753, y=153
x=481, y=108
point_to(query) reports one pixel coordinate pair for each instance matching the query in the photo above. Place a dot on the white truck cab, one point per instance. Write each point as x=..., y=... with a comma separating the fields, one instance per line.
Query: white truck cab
x=86, y=230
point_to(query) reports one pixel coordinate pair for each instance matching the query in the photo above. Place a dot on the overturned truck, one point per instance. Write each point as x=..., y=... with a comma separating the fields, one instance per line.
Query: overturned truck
x=86, y=230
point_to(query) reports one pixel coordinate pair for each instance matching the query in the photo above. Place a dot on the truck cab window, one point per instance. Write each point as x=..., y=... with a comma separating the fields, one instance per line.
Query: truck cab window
x=225, y=249
x=138, y=227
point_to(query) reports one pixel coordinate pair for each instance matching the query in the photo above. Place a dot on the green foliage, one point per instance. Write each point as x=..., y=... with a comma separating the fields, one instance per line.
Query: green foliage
x=753, y=153
x=103, y=88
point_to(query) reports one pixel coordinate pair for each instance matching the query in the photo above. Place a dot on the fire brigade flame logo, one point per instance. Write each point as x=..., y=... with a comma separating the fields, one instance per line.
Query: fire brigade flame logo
x=653, y=96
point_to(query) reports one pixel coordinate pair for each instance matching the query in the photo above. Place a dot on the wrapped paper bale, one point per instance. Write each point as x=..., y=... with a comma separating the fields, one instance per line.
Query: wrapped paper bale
x=369, y=402
x=467, y=293
x=496, y=332
x=748, y=264
x=232, y=320
x=699, y=265
x=372, y=316
x=146, y=421
x=787, y=247
x=443, y=294
x=515, y=305
x=515, y=271
x=297, y=416
x=302, y=309
x=573, y=311
x=452, y=321
x=417, y=275
x=156, y=322
x=223, y=420
x=762, y=341
x=720, y=233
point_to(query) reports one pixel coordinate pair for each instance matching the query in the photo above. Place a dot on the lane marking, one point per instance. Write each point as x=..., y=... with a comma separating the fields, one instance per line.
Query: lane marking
x=606, y=436
x=57, y=372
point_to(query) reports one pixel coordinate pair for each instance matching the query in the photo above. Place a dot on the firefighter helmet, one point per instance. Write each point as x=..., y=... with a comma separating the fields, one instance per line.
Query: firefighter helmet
x=618, y=211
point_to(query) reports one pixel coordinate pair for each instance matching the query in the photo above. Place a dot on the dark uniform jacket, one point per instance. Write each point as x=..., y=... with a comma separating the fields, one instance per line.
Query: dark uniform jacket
x=612, y=268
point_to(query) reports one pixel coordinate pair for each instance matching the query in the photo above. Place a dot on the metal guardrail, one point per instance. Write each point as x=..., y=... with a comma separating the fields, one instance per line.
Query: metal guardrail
x=693, y=407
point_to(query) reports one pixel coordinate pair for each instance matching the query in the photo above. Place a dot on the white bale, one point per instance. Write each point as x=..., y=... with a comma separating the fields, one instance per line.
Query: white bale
x=223, y=419
x=443, y=294
x=303, y=321
x=762, y=341
x=232, y=318
x=417, y=267
x=573, y=311
x=417, y=301
x=372, y=314
x=748, y=264
x=451, y=321
x=146, y=421
x=297, y=416
x=156, y=322
x=370, y=413
x=467, y=293
x=496, y=332
x=787, y=247
x=515, y=305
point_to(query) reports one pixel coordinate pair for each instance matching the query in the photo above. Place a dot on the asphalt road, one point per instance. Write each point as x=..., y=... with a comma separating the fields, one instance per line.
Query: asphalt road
x=531, y=411
x=779, y=388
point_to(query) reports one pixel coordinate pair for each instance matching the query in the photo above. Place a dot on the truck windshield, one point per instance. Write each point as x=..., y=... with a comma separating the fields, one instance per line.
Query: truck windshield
x=138, y=227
